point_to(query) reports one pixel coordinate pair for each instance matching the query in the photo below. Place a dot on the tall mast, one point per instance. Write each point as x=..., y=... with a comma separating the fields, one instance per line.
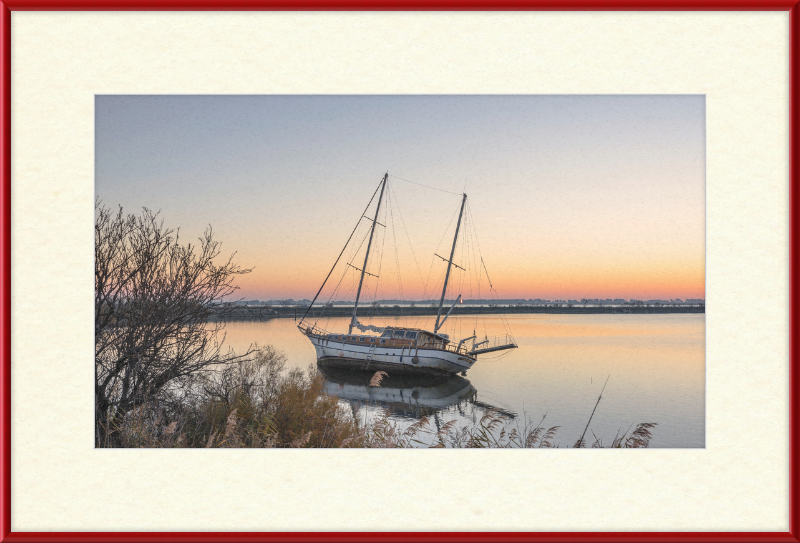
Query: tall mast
x=449, y=264
x=366, y=257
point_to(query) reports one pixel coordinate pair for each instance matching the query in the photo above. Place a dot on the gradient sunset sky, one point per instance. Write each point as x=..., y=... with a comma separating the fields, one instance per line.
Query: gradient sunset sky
x=570, y=196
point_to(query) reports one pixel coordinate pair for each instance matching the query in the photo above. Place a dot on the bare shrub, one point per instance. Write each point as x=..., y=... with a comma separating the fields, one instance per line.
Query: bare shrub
x=153, y=299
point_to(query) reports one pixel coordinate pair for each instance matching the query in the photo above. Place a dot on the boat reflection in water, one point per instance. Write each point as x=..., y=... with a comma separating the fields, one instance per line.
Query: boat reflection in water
x=406, y=396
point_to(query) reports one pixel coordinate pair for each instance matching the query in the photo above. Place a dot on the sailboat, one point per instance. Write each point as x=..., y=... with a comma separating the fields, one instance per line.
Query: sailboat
x=400, y=349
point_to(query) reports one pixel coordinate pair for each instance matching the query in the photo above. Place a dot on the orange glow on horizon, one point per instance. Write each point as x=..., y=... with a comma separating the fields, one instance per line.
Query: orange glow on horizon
x=654, y=278
x=573, y=288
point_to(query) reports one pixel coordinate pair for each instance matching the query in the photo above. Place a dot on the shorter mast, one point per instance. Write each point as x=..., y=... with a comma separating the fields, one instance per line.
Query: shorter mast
x=366, y=257
x=449, y=264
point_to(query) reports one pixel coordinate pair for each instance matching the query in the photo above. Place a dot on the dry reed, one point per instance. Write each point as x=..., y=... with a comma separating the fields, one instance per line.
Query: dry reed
x=377, y=378
x=257, y=403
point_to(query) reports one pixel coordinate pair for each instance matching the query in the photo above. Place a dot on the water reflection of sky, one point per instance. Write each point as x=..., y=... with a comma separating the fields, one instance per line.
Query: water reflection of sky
x=656, y=365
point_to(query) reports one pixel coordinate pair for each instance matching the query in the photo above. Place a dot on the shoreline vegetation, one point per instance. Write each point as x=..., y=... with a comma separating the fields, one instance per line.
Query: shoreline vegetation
x=256, y=312
x=259, y=404
x=164, y=379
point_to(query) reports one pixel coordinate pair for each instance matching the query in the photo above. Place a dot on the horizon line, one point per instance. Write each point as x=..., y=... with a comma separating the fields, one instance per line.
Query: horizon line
x=465, y=300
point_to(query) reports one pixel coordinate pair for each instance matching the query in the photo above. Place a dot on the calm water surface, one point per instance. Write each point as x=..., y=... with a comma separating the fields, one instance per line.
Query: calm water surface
x=656, y=364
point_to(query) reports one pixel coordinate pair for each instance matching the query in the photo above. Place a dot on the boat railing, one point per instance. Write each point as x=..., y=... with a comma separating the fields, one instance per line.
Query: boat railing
x=313, y=330
x=450, y=346
x=495, y=343
x=403, y=343
x=491, y=344
x=454, y=347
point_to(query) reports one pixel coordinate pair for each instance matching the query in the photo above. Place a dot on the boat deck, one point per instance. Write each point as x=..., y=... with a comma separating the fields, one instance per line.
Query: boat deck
x=398, y=343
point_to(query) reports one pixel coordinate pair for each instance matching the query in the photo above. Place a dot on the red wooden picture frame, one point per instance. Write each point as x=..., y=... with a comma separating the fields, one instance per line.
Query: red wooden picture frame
x=6, y=6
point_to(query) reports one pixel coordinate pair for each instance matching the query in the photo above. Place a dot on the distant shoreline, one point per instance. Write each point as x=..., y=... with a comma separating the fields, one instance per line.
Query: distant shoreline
x=266, y=313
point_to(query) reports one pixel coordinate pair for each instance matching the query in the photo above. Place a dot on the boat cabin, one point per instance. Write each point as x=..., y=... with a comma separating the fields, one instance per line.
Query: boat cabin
x=397, y=337
x=422, y=337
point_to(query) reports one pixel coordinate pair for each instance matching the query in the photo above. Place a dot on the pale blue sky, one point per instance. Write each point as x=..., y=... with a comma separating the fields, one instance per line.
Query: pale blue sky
x=555, y=182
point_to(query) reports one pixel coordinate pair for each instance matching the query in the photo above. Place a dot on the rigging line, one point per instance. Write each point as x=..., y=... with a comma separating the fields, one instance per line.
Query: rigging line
x=380, y=260
x=474, y=275
x=487, y=274
x=492, y=290
x=460, y=211
x=504, y=320
x=475, y=270
x=425, y=292
x=439, y=281
x=497, y=357
x=396, y=258
x=463, y=274
x=471, y=259
x=421, y=185
x=480, y=254
x=390, y=220
x=344, y=274
x=352, y=288
x=445, y=231
x=354, y=249
x=352, y=285
x=491, y=287
x=340, y=254
x=433, y=259
x=377, y=281
x=379, y=256
x=394, y=198
x=478, y=276
x=465, y=259
x=337, y=290
x=467, y=272
x=331, y=297
x=355, y=253
x=399, y=275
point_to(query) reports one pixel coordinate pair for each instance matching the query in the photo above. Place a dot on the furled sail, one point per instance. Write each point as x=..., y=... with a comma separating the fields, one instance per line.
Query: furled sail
x=367, y=327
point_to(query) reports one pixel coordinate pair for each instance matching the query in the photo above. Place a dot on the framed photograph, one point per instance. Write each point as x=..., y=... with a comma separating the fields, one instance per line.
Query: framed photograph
x=620, y=182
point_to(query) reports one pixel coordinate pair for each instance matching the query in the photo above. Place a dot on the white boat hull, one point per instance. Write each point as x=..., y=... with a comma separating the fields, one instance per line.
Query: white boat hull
x=375, y=357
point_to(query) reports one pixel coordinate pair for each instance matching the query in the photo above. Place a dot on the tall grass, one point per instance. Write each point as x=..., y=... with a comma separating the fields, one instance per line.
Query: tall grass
x=254, y=403
x=258, y=403
x=493, y=430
